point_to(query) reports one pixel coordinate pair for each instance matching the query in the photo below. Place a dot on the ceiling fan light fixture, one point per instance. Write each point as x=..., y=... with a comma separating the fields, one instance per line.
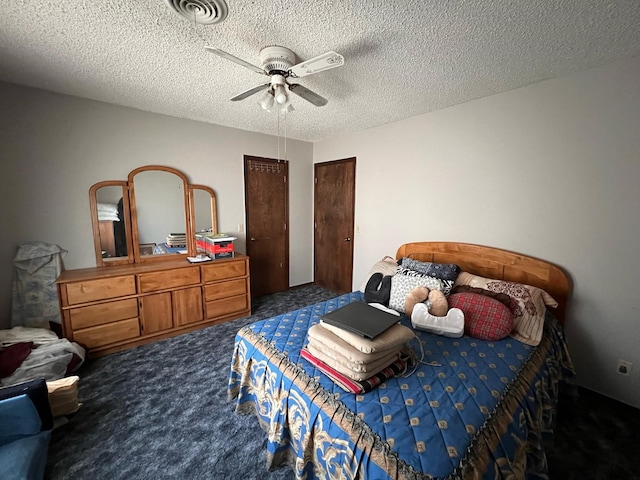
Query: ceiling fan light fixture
x=276, y=62
x=267, y=100
x=280, y=94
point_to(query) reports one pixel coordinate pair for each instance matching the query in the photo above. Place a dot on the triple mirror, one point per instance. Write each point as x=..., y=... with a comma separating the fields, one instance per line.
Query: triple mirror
x=152, y=216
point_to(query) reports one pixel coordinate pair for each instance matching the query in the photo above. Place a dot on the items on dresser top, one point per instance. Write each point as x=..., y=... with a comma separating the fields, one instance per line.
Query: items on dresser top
x=215, y=245
x=201, y=257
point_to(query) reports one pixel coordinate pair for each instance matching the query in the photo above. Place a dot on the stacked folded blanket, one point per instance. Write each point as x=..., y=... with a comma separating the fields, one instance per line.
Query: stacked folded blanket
x=355, y=363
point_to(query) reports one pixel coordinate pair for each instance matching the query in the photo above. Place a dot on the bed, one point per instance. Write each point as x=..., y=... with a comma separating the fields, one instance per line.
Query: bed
x=472, y=409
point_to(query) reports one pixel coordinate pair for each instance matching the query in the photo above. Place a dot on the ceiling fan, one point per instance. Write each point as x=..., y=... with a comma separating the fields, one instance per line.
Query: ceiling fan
x=279, y=64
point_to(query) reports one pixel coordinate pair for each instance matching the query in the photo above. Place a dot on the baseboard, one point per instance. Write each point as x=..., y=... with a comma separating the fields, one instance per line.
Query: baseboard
x=294, y=287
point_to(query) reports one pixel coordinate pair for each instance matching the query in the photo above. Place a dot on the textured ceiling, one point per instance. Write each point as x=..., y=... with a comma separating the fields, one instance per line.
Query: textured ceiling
x=402, y=58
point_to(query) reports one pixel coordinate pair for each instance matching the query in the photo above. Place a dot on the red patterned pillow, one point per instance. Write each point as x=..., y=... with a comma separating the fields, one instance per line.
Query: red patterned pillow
x=527, y=305
x=484, y=317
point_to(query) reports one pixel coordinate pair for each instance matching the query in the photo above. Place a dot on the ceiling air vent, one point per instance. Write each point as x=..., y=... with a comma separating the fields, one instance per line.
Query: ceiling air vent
x=205, y=12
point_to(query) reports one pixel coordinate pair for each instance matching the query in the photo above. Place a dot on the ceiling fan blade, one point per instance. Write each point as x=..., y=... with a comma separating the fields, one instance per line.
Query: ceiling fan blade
x=323, y=62
x=308, y=95
x=239, y=61
x=248, y=93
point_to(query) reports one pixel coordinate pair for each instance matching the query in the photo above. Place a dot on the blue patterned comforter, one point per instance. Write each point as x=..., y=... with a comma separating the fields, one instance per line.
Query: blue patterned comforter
x=476, y=410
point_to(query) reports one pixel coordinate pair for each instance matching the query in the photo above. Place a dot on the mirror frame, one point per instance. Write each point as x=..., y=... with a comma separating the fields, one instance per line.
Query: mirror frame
x=192, y=207
x=131, y=226
x=134, y=215
x=95, y=223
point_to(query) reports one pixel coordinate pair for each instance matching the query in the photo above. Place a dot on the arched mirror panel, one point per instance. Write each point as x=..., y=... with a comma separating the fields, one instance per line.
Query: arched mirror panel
x=204, y=211
x=155, y=215
x=159, y=203
x=111, y=222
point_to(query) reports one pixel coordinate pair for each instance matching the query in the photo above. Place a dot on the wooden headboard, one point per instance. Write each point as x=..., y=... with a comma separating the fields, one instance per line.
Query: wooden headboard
x=496, y=263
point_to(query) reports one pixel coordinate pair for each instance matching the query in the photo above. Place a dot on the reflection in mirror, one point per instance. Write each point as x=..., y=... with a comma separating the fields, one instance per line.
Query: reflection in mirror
x=110, y=217
x=204, y=212
x=159, y=199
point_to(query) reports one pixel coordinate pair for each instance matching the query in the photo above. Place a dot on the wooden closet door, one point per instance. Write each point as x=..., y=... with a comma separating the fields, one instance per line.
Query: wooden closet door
x=267, y=207
x=334, y=212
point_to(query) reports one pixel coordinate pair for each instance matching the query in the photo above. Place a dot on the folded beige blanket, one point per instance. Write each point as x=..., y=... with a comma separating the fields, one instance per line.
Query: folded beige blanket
x=326, y=340
x=355, y=371
x=396, y=336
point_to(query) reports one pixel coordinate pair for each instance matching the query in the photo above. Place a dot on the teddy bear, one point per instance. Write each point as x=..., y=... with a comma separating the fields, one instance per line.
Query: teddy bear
x=437, y=304
x=415, y=296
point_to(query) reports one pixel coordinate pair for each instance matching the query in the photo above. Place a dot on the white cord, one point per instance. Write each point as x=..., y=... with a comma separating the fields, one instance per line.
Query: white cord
x=419, y=361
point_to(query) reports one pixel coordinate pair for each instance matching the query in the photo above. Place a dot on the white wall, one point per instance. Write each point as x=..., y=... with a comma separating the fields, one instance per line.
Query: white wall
x=551, y=170
x=54, y=147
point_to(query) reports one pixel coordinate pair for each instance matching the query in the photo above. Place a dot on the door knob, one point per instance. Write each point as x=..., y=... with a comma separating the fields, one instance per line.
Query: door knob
x=347, y=239
x=253, y=239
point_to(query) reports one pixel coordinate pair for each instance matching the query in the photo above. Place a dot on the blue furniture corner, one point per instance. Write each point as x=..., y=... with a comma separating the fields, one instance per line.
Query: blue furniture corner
x=25, y=430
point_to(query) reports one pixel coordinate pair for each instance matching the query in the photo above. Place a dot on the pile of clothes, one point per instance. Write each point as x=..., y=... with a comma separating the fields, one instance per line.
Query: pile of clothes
x=355, y=363
x=33, y=353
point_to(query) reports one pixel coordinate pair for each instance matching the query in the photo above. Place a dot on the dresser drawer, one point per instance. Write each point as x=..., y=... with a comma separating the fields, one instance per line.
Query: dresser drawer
x=100, y=289
x=84, y=317
x=101, y=335
x=225, y=289
x=221, y=271
x=180, y=277
x=219, y=308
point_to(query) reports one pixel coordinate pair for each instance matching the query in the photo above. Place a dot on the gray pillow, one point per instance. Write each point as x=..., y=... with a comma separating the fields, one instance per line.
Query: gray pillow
x=443, y=271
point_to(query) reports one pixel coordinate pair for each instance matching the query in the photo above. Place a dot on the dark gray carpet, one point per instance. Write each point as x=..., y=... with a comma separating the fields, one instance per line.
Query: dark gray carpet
x=596, y=438
x=159, y=411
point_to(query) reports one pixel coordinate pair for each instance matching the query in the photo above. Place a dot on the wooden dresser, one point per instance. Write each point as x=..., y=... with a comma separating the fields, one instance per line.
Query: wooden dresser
x=108, y=309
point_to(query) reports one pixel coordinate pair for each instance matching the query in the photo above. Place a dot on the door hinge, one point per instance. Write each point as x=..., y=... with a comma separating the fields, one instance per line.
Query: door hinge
x=316, y=180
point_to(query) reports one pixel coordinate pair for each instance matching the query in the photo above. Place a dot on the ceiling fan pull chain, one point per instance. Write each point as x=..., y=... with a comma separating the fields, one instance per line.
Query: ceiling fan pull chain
x=285, y=134
x=278, y=113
